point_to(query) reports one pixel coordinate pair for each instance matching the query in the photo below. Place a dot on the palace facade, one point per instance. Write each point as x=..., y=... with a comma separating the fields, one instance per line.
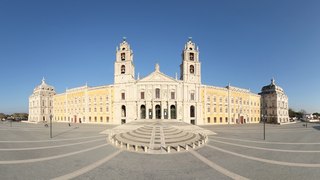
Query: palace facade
x=156, y=96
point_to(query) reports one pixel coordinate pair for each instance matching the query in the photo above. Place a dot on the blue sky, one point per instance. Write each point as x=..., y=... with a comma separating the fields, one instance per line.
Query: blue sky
x=243, y=42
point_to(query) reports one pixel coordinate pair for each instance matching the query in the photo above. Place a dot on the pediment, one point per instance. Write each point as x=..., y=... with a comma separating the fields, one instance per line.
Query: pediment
x=157, y=77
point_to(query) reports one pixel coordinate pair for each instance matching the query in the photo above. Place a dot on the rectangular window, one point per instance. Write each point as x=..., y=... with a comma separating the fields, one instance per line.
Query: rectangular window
x=95, y=119
x=89, y=118
x=192, y=97
x=157, y=93
x=214, y=119
x=100, y=109
x=123, y=96
x=208, y=109
x=226, y=119
x=220, y=119
x=173, y=95
x=142, y=95
x=208, y=119
x=101, y=119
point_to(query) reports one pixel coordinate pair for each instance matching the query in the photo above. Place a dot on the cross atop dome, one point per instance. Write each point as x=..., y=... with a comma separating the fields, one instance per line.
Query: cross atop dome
x=43, y=80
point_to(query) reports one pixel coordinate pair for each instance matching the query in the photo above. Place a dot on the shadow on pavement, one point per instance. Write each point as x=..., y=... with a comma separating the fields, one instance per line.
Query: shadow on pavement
x=64, y=132
x=317, y=127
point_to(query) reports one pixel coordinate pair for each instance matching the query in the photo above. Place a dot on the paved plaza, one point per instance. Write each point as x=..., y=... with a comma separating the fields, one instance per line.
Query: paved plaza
x=232, y=152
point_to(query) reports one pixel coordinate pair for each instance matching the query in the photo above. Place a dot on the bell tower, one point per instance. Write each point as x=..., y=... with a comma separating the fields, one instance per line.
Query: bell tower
x=190, y=68
x=123, y=66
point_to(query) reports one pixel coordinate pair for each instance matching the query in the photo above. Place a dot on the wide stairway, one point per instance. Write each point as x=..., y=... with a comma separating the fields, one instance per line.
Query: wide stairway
x=158, y=137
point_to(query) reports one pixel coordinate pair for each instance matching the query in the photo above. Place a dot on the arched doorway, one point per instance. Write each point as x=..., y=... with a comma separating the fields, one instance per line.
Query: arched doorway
x=173, y=114
x=158, y=112
x=123, y=111
x=142, y=111
x=192, y=111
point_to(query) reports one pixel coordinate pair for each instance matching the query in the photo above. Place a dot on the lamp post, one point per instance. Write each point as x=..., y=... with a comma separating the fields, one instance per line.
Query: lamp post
x=306, y=121
x=264, y=118
x=51, y=126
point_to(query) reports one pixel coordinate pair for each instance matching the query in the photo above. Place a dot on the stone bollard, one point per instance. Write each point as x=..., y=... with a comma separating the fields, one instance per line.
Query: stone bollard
x=145, y=149
x=202, y=142
x=116, y=142
x=128, y=146
x=136, y=147
x=178, y=148
x=168, y=149
x=121, y=144
x=193, y=145
x=187, y=147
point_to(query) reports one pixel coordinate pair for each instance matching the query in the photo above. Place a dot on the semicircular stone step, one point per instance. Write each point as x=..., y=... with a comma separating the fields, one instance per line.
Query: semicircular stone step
x=157, y=138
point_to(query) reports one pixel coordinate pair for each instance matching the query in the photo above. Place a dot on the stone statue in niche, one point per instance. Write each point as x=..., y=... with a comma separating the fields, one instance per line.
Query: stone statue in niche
x=149, y=94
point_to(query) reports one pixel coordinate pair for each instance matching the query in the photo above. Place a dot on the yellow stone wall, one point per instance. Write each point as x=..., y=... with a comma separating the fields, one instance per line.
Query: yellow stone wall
x=229, y=105
x=85, y=104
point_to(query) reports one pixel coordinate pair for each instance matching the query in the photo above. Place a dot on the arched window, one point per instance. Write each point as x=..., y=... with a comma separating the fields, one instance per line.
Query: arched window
x=191, y=69
x=157, y=93
x=191, y=56
x=123, y=69
x=192, y=111
x=123, y=56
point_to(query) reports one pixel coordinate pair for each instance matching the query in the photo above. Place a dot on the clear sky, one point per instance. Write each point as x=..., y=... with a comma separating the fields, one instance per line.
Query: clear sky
x=244, y=43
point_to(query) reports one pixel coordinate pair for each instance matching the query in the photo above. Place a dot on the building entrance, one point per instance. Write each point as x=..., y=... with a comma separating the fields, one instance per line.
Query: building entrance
x=143, y=112
x=173, y=112
x=158, y=112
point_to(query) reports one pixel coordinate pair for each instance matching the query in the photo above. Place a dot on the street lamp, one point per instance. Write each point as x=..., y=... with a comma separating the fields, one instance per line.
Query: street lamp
x=51, y=126
x=306, y=121
x=264, y=118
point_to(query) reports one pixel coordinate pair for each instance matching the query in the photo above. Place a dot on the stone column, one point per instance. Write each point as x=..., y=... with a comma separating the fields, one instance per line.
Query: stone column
x=168, y=110
x=153, y=111
x=162, y=109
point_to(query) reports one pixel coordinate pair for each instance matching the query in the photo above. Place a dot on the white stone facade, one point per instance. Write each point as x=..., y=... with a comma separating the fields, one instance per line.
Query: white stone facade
x=40, y=103
x=157, y=96
x=274, y=104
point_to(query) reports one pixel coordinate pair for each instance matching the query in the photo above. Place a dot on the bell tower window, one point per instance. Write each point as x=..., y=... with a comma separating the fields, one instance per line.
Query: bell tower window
x=191, y=56
x=123, y=69
x=123, y=56
x=191, y=69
